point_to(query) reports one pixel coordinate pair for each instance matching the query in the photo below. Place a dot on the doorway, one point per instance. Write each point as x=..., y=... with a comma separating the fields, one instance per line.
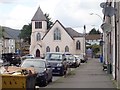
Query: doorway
x=37, y=53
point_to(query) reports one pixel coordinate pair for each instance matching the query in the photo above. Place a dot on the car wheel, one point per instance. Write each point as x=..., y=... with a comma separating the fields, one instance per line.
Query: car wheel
x=79, y=65
x=76, y=66
x=62, y=73
x=50, y=79
x=45, y=83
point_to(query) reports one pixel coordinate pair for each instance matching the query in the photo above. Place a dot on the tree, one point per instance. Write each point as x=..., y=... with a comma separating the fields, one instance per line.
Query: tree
x=49, y=22
x=94, y=31
x=1, y=32
x=26, y=32
x=95, y=48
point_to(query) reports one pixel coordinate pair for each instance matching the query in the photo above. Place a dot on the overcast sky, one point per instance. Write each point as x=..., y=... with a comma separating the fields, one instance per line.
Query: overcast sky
x=71, y=13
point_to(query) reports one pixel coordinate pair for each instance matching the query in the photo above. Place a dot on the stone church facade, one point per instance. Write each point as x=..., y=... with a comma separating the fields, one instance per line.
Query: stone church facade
x=57, y=39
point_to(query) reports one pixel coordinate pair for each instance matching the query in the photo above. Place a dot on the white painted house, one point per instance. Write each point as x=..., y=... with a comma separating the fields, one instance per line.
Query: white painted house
x=111, y=46
x=8, y=40
x=56, y=39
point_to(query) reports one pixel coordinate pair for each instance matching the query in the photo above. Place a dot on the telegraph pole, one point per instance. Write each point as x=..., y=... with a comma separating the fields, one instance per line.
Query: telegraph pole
x=84, y=51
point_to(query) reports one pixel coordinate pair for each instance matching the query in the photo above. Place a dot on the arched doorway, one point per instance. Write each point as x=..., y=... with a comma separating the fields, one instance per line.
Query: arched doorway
x=37, y=53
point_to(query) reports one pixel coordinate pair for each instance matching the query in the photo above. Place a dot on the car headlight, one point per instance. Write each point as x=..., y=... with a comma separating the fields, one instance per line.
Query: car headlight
x=13, y=57
x=59, y=64
x=74, y=61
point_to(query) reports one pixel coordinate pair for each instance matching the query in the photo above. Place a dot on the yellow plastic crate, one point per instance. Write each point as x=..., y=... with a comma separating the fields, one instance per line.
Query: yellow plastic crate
x=23, y=82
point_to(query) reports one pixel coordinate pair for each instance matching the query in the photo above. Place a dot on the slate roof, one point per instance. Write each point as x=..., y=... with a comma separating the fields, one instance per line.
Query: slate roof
x=39, y=16
x=73, y=33
x=11, y=33
x=69, y=30
x=93, y=36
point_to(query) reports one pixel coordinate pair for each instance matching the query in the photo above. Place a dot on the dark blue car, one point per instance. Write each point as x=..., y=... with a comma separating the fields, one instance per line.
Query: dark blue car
x=58, y=62
x=44, y=72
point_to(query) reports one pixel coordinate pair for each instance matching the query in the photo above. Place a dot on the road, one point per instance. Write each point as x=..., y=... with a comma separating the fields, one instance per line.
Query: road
x=55, y=78
x=88, y=75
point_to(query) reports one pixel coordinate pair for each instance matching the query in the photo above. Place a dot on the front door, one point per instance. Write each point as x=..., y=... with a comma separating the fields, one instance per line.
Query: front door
x=37, y=53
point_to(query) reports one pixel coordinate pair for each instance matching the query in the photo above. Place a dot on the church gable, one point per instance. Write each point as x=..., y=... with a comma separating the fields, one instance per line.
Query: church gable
x=58, y=28
x=56, y=39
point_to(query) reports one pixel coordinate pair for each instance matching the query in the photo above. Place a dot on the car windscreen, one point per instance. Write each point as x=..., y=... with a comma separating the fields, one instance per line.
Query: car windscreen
x=70, y=57
x=54, y=56
x=33, y=63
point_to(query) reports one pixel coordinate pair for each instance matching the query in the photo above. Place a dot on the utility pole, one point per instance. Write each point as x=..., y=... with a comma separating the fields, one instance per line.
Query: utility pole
x=84, y=51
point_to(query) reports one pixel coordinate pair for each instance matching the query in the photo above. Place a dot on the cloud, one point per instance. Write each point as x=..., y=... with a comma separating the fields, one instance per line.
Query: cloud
x=19, y=16
x=71, y=13
x=7, y=1
x=77, y=13
x=12, y=1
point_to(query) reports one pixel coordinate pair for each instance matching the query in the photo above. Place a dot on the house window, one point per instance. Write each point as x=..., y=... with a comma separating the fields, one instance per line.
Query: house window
x=57, y=34
x=38, y=37
x=66, y=49
x=47, y=49
x=38, y=25
x=57, y=49
x=78, y=45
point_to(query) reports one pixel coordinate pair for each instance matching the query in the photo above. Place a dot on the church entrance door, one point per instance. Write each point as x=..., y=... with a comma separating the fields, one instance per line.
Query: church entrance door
x=37, y=53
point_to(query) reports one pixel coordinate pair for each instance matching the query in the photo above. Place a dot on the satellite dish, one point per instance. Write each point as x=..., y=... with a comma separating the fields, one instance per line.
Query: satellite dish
x=106, y=27
x=103, y=5
x=108, y=11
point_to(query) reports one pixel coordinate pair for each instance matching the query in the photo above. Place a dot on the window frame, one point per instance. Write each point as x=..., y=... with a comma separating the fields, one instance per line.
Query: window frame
x=57, y=34
x=47, y=49
x=38, y=37
x=78, y=45
x=57, y=49
x=38, y=25
x=66, y=49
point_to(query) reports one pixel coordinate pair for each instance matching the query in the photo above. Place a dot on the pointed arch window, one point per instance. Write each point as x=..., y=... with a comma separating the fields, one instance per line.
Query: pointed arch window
x=47, y=49
x=66, y=49
x=57, y=34
x=78, y=45
x=38, y=37
x=57, y=49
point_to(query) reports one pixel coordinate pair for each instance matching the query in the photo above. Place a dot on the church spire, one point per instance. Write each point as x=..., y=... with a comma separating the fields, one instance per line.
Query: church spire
x=39, y=16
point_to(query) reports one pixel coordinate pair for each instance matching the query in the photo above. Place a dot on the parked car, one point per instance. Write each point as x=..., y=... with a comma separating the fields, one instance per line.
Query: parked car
x=11, y=58
x=28, y=56
x=1, y=62
x=44, y=72
x=83, y=58
x=78, y=60
x=73, y=63
x=58, y=62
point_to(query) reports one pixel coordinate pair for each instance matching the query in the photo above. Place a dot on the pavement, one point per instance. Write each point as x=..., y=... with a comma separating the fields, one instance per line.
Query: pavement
x=87, y=75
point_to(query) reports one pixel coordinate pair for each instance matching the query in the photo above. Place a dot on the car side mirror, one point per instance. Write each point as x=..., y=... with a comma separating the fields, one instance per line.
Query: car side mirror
x=42, y=57
x=65, y=59
x=48, y=66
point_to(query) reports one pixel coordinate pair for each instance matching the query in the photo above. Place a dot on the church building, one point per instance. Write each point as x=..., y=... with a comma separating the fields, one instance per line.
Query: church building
x=57, y=39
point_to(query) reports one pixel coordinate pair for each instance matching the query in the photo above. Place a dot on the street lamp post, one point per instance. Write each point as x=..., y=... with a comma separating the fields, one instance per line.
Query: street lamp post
x=101, y=49
x=97, y=15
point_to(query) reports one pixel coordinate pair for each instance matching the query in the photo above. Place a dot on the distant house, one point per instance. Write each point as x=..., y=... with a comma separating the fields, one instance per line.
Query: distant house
x=56, y=39
x=93, y=39
x=9, y=39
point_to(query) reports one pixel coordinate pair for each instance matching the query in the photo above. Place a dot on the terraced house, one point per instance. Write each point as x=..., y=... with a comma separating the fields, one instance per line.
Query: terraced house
x=111, y=38
x=8, y=40
x=56, y=39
